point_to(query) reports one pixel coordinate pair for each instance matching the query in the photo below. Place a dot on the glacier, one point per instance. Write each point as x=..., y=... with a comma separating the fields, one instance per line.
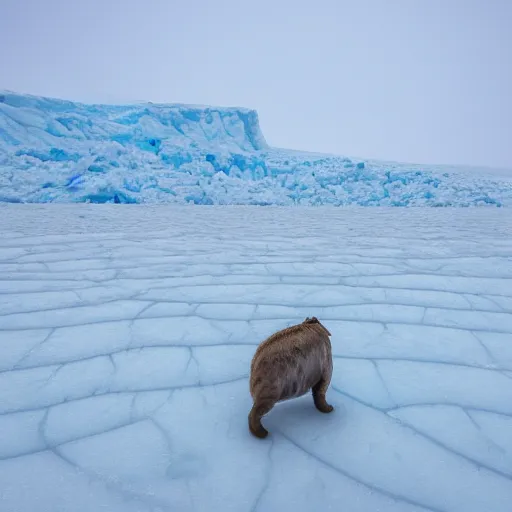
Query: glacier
x=126, y=335
x=57, y=151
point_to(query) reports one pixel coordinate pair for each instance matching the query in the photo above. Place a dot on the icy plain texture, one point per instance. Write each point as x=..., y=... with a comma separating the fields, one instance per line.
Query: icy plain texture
x=59, y=151
x=126, y=340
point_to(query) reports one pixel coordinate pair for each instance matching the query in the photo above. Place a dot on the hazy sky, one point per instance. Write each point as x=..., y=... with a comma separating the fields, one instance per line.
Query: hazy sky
x=419, y=81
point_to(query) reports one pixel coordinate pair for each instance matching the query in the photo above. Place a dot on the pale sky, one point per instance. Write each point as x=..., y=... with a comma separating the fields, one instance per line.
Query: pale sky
x=407, y=80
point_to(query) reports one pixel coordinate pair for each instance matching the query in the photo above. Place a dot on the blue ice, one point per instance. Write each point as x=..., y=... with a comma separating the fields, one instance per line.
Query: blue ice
x=204, y=155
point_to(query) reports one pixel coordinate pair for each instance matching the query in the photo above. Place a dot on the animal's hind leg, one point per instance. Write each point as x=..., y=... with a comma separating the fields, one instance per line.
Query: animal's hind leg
x=259, y=409
x=319, y=391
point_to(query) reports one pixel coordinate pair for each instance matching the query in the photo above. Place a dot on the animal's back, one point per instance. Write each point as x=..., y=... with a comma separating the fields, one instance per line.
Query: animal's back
x=290, y=361
x=286, y=365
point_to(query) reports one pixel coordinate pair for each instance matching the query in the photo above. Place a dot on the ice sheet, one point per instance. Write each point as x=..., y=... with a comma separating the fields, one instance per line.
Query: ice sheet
x=126, y=337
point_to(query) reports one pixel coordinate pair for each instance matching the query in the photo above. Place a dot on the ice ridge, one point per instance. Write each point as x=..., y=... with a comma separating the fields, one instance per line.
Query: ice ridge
x=53, y=150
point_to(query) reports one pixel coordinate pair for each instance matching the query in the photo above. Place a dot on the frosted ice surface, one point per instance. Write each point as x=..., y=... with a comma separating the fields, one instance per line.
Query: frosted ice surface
x=60, y=151
x=126, y=341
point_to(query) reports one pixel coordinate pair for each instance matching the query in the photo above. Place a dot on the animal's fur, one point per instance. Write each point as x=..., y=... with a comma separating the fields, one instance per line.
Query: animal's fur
x=287, y=365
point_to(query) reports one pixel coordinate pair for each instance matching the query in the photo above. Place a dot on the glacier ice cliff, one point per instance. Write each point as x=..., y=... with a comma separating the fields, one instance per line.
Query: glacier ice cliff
x=61, y=151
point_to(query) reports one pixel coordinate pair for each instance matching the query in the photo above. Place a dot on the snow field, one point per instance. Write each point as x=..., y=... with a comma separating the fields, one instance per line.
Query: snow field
x=126, y=340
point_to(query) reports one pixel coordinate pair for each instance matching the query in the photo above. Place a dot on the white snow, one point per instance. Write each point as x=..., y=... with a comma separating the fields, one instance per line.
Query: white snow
x=126, y=338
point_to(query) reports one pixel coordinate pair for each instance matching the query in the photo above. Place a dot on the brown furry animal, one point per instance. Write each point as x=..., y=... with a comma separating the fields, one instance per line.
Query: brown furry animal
x=286, y=365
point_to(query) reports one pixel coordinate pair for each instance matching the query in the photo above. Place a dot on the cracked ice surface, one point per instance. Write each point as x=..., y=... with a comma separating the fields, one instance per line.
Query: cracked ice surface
x=126, y=335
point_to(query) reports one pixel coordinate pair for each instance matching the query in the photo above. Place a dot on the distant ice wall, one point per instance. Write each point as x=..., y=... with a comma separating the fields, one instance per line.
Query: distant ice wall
x=60, y=151
x=33, y=121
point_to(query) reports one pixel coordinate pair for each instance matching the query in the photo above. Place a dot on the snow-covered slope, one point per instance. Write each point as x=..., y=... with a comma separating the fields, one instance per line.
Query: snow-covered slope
x=126, y=337
x=60, y=151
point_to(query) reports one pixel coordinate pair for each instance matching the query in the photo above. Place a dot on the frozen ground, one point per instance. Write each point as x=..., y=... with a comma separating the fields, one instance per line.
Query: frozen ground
x=54, y=151
x=126, y=334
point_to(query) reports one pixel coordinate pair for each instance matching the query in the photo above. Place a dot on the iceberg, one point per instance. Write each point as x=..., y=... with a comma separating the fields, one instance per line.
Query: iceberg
x=56, y=151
